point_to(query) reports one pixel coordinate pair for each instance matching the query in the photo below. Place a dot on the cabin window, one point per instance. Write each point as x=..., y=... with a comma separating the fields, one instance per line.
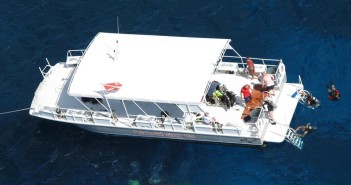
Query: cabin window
x=91, y=100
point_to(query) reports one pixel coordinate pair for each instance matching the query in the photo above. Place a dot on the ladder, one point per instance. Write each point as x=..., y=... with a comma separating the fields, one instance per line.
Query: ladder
x=294, y=139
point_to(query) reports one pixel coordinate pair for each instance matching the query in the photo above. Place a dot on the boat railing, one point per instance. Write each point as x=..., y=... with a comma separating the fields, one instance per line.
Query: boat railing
x=77, y=116
x=260, y=119
x=241, y=61
x=256, y=124
x=232, y=130
x=300, y=81
x=279, y=75
x=74, y=56
x=143, y=121
x=187, y=123
x=236, y=65
x=107, y=119
x=203, y=99
x=46, y=70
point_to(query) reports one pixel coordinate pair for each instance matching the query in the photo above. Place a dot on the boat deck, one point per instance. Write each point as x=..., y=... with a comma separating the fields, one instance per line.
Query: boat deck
x=233, y=117
x=53, y=86
x=283, y=114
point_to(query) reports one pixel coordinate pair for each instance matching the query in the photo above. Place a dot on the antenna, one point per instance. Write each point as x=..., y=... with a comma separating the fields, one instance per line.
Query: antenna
x=117, y=25
x=116, y=51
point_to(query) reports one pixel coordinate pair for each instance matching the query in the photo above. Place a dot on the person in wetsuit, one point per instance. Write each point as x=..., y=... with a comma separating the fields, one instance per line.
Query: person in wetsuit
x=333, y=93
x=221, y=96
x=230, y=94
x=303, y=130
x=312, y=101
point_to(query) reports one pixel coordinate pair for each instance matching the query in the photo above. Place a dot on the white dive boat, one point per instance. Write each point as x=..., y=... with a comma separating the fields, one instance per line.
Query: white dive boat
x=158, y=87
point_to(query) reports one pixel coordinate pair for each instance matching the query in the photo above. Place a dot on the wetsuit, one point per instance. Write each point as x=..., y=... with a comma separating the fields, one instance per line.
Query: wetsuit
x=334, y=94
x=267, y=105
x=308, y=129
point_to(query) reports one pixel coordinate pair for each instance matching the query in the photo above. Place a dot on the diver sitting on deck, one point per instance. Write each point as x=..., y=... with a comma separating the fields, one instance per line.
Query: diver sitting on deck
x=230, y=94
x=205, y=119
x=221, y=96
x=164, y=114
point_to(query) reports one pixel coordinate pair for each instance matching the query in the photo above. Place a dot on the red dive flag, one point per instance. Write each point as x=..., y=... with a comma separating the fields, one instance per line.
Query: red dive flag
x=112, y=86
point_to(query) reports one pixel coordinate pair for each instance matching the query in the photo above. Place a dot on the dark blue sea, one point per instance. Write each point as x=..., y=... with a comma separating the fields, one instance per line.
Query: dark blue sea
x=313, y=37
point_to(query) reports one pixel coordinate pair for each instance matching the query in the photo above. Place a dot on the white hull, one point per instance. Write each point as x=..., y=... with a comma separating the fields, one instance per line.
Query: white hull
x=216, y=137
x=172, y=135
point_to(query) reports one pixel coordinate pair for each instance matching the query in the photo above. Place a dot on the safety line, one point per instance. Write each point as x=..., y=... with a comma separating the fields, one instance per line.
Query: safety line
x=13, y=111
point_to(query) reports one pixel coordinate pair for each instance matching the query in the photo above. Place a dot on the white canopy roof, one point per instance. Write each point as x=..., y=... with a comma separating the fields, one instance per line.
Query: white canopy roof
x=150, y=68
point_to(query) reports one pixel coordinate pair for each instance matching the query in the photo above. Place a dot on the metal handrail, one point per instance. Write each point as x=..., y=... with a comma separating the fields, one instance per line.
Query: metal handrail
x=69, y=52
x=42, y=71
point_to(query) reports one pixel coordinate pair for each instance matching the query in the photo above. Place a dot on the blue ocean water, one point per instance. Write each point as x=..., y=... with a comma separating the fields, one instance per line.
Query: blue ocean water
x=313, y=37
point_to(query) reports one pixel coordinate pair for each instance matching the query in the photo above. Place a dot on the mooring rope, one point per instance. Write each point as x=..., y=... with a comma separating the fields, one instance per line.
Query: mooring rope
x=13, y=111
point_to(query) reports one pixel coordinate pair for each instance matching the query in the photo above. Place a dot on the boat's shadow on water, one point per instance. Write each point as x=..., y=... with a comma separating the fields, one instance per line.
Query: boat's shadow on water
x=148, y=161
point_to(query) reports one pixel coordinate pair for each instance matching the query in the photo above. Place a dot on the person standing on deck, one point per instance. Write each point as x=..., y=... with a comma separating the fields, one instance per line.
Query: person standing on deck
x=268, y=81
x=246, y=93
x=251, y=67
